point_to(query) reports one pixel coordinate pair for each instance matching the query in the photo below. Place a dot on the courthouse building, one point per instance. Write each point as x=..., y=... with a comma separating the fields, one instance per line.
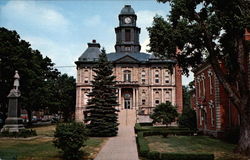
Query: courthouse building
x=143, y=80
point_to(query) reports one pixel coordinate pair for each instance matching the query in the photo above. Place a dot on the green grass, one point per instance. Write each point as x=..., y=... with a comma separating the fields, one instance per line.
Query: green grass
x=191, y=144
x=93, y=146
x=45, y=130
x=41, y=147
x=38, y=148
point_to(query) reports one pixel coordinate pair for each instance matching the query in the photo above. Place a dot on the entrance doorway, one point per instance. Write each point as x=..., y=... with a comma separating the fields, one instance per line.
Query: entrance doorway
x=127, y=114
x=127, y=101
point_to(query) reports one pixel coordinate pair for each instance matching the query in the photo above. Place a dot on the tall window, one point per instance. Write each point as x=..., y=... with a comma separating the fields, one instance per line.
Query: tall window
x=143, y=102
x=167, y=76
x=203, y=84
x=143, y=76
x=167, y=96
x=210, y=74
x=86, y=80
x=127, y=76
x=127, y=35
x=157, y=76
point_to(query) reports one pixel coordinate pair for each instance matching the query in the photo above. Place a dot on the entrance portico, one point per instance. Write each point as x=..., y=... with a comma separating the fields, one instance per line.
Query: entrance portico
x=128, y=98
x=128, y=105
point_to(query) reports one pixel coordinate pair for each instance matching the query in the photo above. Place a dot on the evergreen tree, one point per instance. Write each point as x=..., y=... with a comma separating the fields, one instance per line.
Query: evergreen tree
x=101, y=112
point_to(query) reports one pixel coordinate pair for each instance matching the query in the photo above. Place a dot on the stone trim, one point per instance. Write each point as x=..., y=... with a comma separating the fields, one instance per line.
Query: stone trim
x=217, y=103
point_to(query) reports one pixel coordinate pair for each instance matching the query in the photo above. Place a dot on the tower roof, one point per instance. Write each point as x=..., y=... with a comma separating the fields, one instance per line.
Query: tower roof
x=91, y=53
x=127, y=9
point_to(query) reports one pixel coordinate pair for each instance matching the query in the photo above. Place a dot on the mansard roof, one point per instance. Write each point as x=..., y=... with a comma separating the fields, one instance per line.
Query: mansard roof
x=91, y=53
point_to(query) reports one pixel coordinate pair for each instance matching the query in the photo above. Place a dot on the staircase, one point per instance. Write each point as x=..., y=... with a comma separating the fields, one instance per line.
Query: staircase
x=127, y=117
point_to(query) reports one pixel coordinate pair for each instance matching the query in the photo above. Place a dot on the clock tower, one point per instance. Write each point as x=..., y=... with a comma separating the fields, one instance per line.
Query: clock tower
x=127, y=34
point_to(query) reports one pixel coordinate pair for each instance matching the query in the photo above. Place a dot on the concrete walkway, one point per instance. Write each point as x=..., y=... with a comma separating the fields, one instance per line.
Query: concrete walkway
x=123, y=146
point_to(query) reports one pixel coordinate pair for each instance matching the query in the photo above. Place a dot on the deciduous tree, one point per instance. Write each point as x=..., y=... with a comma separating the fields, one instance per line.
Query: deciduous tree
x=212, y=30
x=164, y=113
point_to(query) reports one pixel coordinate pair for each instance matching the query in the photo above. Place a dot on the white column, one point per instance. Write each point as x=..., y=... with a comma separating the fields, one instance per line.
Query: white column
x=162, y=76
x=91, y=76
x=119, y=98
x=77, y=105
x=162, y=99
x=80, y=76
x=152, y=91
x=137, y=98
x=133, y=97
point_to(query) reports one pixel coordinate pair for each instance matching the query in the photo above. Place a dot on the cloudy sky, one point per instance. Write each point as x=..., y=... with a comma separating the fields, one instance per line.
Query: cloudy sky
x=61, y=29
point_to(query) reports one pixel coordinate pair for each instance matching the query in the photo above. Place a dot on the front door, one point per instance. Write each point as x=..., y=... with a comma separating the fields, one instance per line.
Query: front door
x=127, y=116
x=127, y=104
x=127, y=101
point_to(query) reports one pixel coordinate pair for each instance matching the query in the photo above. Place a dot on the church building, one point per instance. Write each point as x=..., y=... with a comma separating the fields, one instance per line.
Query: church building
x=143, y=80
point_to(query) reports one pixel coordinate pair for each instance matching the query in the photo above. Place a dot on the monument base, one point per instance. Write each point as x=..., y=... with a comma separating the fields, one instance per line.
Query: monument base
x=13, y=124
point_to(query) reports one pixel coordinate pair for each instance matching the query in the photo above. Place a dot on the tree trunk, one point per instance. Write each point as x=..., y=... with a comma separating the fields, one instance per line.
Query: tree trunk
x=244, y=141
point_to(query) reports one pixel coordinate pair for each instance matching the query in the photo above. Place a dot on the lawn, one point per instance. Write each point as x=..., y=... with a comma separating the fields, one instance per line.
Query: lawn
x=191, y=144
x=41, y=147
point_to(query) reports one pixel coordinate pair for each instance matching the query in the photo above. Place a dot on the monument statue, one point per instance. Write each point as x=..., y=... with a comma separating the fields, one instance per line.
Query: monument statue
x=13, y=123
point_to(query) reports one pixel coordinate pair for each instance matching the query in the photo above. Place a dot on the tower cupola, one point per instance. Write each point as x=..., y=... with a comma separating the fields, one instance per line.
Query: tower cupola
x=127, y=33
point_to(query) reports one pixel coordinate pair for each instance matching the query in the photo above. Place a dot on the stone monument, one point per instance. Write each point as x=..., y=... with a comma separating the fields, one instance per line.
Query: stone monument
x=13, y=123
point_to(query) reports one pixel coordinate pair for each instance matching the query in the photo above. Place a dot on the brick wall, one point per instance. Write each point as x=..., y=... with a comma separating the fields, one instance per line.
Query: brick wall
x=215, y=112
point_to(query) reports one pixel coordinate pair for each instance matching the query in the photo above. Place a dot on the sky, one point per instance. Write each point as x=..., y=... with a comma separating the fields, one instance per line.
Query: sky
x=61, y=29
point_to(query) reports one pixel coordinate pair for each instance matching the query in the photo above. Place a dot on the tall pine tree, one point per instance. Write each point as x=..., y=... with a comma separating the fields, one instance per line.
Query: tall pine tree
x=101, y=113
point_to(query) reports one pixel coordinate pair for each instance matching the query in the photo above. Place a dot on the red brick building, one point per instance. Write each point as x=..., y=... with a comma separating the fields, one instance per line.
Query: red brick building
x=215, y=111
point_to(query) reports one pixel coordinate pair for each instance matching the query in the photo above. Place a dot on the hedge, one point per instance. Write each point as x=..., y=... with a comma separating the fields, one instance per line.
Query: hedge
x=139, y=128
x=142, y=145
x=186, y=156
x=153, y=155
x=146, y=124
x=166, y=133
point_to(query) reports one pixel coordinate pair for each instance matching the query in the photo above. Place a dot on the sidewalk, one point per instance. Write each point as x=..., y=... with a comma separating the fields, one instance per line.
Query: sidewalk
x=123, y=146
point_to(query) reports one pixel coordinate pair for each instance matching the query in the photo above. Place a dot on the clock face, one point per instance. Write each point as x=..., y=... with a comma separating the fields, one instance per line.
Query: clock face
x=127, y=20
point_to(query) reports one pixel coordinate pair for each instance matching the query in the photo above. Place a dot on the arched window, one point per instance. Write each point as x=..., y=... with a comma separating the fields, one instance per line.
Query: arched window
x=127, y=76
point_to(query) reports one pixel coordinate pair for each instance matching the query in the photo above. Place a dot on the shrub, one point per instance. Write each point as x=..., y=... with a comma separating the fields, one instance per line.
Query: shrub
x=186, y=156
x=70, y=137
x=22, y=133
x=164, y=113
